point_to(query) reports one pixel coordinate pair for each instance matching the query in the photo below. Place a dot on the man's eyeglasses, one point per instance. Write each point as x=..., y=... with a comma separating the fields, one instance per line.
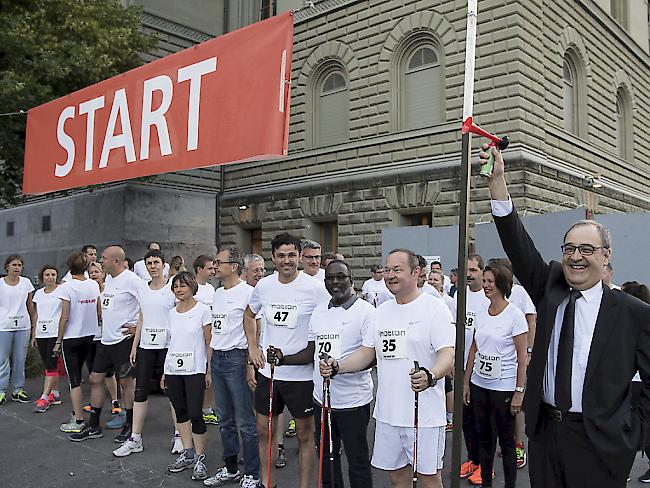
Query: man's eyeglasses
x=219, y=263
x=583, y=249
x=313, y=258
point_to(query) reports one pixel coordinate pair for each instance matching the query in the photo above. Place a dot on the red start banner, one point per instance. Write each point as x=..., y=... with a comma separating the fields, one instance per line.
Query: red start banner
x=225, y=100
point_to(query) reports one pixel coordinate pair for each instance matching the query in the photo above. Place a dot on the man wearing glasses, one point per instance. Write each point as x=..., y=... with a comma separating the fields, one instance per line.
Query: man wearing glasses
x=311, y=259
x=374, y=290
x=589, y=342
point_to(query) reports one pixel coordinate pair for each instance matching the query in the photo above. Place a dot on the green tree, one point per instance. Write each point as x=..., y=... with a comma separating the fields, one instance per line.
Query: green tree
x=49, y=48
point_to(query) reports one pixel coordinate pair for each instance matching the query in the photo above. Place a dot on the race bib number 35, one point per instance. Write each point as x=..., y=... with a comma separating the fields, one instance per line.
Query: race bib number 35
x=181, y=362
x=282, y=315
x=219, y=323
x=154, y=337
x=487, y=366
x=329, y=343
x=392, y=344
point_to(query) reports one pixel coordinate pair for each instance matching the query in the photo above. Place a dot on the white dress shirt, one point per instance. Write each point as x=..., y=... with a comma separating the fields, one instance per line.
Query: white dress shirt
x=587, y=307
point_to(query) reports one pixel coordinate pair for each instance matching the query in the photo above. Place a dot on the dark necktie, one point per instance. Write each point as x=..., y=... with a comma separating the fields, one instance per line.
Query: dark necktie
x=564, y=363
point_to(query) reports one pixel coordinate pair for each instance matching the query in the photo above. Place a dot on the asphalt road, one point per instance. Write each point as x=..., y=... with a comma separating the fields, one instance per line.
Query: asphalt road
x=34, y=453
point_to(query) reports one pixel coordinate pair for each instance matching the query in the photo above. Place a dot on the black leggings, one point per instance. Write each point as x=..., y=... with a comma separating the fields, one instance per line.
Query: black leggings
x=147, y=361
x=45, y=347
x=75, y=351
x=186, y=394
x=491, y=408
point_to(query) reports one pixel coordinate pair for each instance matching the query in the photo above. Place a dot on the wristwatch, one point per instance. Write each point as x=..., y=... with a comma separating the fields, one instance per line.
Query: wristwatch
x=520, y=389
x=529, y=350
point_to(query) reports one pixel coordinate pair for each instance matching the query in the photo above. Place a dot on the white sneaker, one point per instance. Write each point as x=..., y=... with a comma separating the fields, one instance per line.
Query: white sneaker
x=177, y=445
x=221, y=477
x=128, y=447
x=248, y=481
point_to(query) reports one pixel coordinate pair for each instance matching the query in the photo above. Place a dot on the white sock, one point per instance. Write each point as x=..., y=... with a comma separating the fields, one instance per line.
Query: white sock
x=44, y=397
x=55, y=392
x=136, y=437
x=450, y=417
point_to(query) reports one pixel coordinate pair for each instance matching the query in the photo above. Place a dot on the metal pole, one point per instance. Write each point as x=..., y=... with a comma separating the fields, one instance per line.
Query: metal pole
x=463, y=230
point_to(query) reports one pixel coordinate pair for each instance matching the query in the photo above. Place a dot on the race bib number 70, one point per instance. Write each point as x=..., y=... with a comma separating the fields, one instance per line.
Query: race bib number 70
x=329, y=343
x=282, y=315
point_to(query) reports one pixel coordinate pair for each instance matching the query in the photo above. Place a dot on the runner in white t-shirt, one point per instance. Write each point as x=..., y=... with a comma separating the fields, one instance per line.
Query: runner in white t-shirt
x=423, y=284
x=140, y=267
x=16, y=317
x=339, y=328
x=495, y=375
x=413, y=327
x=186, y=372
x=286, y=299
x=149, y=345
x=374, y=290
x=77, y=325
x=47, y=308
x=91, y=252
x=232, y=398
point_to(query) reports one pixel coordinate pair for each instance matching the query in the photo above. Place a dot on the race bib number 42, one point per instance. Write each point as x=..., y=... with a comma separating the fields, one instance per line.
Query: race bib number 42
x=181, y=362
x=392, y=344
x=282, y=315
x=487, y=366
x=219, y=323
x=154, y=337
x=329, y=343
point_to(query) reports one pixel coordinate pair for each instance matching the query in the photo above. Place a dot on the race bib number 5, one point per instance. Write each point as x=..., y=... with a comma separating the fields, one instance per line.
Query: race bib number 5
x=282, y=315
x=329, y=343
x=154, y=337
x=45, y=327
x=488, y=366
x=219, y=323
x=392, y=344
x=181, y=362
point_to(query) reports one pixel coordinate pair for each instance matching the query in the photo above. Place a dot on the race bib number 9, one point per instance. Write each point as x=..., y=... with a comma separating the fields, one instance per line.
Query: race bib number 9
x=282, y=315
x=154, y=337
x=392, y=344
x=219, y=323
x=181, y=362
x=45, y=327
x=329, y=343
x=488, y=366
x=469, y=320
x=107, y=299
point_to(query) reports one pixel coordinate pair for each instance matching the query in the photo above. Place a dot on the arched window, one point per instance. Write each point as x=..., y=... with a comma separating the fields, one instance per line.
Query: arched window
x=332, y=108
x=421, y=87
x=624, y=142
x=570, y=96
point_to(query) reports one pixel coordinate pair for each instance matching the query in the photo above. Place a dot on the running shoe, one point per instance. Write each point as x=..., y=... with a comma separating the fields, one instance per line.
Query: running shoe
x=129, y=447
x=281, y=461
x=211, y=418
x=124, y=435
x=115, y=407
x=3, y=399
x=645, y=478
x=467, y=469
x=87, y=432
x=177, y=444
x=200, y=472
x=291, y=431
x=41, y=405
x=182, y=462
x=87, y=408
x=117, y=422
x=20, y=396
x=54, y=399
x=222, y=477
x=71, y=426
x=522, y=456
x=248, y=481
x=476, y=479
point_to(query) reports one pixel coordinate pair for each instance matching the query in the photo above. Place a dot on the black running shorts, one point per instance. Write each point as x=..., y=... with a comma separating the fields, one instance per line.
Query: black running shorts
x=296, y=395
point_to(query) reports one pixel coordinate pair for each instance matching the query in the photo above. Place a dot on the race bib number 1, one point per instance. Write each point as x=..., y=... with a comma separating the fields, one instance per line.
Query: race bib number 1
x=154, y=337
x=181, y=362
x=392, y=344
x=219, y=323
x=282, y=315
x=488, y=366
x=329, y=343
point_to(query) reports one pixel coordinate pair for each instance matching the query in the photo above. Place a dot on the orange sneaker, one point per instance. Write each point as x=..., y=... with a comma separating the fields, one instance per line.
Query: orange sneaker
x=476, y=479
x=467, y=468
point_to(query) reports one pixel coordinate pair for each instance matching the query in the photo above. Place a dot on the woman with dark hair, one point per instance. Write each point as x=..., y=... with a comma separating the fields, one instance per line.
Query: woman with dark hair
x=16, y=318
x=47, y=308
x=496, y=373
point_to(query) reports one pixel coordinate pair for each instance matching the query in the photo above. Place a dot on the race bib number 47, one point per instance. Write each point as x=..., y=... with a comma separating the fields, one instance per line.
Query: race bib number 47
x=282, y=315
x=181, y=362
x=392, y=344
x=488, y=366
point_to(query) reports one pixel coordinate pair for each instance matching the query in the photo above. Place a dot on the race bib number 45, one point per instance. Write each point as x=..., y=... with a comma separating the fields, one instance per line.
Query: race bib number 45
x=487, y=366
x=282, y=315
x=392, y=344
x=329, y=343
x=107, y=299
x=181, y=362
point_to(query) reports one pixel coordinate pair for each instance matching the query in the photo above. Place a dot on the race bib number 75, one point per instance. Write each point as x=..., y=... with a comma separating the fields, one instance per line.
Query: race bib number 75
x=488, y=366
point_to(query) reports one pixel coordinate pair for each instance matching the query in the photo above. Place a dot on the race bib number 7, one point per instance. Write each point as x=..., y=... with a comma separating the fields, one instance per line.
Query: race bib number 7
x=282, y=315
x=392, y=344
x=154, y=337
x=487, y=366
x=181, y=362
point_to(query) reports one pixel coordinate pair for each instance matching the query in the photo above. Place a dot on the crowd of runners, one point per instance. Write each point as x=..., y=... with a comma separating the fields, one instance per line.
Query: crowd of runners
x=303, y=337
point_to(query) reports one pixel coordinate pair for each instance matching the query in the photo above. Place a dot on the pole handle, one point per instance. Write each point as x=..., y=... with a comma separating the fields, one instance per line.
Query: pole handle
x=486, y=169
x=416, y=366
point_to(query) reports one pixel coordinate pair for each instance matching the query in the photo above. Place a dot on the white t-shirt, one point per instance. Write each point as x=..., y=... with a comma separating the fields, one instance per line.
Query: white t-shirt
x=205, y=294
x=376, y=292
x=83, y=296
x=48, y=313
x=339, y=332
x=187, y=353
x=13, y=304
x=405, y=333
x=519, y=297
x=430, y=290
x=155, y=306
x=449, y=301
x=68, y=276
x=477, y=302
x=287, y=309
x=228, y=317
x=119, y=305
x=446, y=284
x=140, y=269
x=495, y=364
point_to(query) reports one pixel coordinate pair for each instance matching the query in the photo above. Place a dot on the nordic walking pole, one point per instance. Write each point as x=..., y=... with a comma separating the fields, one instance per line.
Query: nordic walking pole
x=463, y=230
x=321, y=442
x=270, y=432
x=329, y=431
x=416, y=366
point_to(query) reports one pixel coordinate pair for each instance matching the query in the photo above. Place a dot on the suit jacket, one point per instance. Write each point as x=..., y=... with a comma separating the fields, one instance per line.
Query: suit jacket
x=620, y=346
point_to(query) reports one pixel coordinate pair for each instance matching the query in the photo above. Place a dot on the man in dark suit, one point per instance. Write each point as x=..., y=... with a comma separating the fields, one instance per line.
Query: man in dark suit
x=590, y=341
